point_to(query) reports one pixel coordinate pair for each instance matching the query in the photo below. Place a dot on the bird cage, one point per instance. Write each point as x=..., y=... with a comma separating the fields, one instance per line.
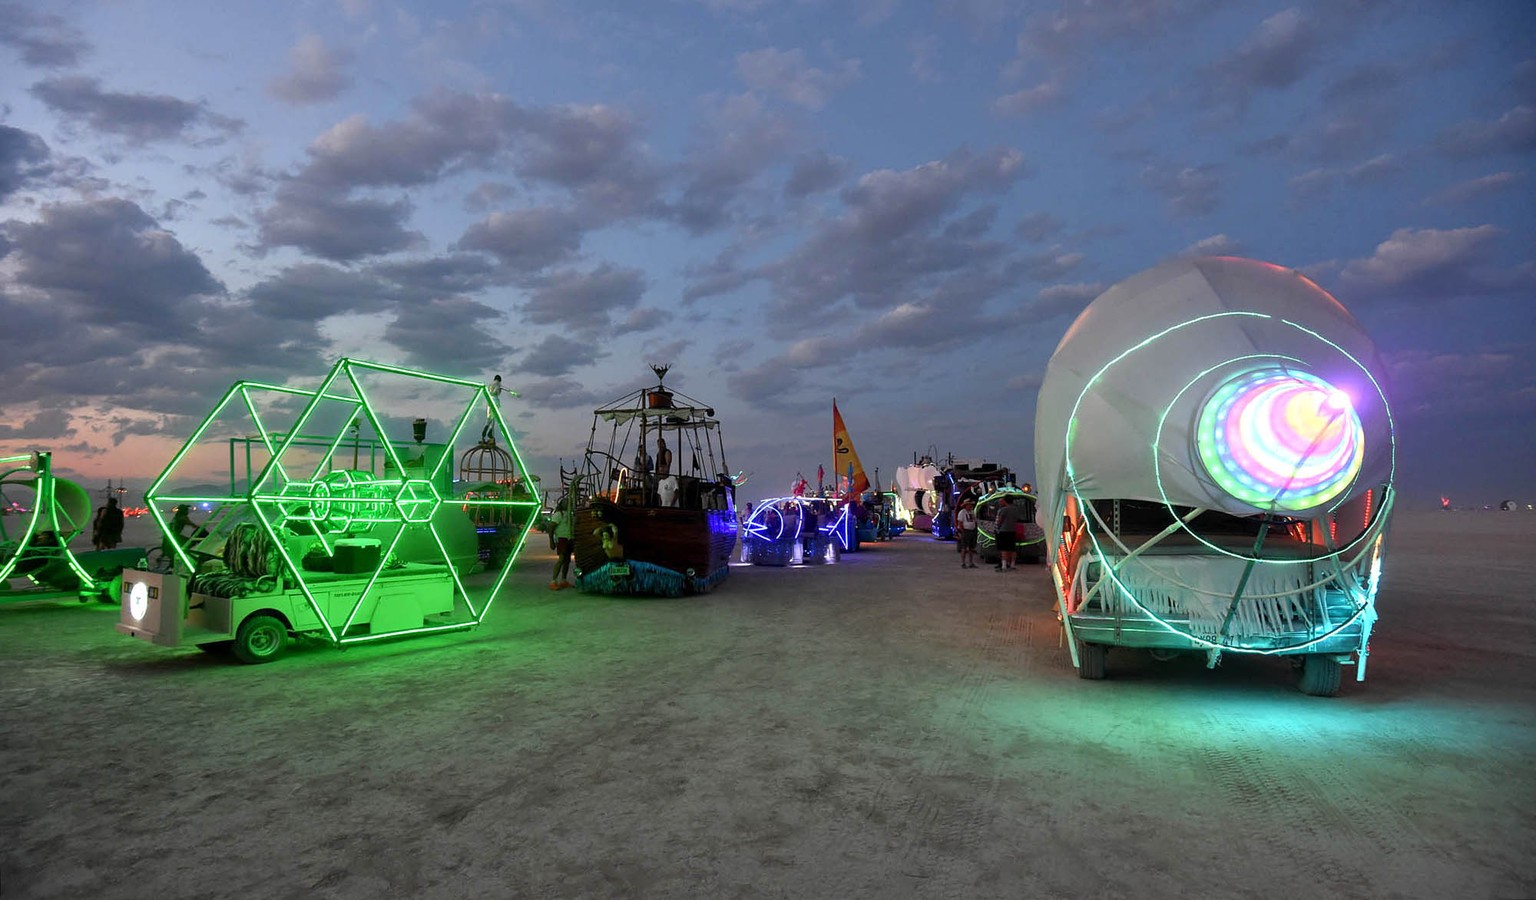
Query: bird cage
x=487, y=472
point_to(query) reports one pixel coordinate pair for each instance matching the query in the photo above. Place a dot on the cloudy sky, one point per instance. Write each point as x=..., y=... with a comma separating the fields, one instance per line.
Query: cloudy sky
x=899, y=204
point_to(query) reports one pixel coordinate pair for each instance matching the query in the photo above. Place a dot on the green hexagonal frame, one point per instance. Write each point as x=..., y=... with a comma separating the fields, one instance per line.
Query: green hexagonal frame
x=292, y=478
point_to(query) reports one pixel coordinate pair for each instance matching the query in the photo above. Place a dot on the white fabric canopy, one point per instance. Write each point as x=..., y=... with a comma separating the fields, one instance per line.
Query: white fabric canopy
x=1149, y=351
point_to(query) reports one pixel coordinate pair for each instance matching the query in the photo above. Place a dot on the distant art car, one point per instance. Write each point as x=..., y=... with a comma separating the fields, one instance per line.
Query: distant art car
x=1215, y=457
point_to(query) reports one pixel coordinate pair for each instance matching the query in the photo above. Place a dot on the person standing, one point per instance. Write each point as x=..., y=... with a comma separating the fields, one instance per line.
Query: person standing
x=663, y=458
x=488, y=433
x=181, y=531
x=1007, y=534
x=965, y=532
x=565, y=534
x=107, y=529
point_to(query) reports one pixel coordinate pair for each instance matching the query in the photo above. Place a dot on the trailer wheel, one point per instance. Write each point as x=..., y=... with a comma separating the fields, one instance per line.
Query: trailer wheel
x=1319, y=675
x=1091, y=661
x=260, y=639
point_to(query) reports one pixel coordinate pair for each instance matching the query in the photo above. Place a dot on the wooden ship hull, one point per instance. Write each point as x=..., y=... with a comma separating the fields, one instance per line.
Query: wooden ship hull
x=666, y=551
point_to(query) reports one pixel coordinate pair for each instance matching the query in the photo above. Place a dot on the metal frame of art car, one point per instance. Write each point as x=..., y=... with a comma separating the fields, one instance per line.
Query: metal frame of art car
x=36, y=560
x=329, y=526
x=775, y=533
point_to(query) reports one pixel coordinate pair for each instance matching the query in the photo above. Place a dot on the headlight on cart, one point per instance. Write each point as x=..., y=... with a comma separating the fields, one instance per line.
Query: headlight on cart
x=138, y=600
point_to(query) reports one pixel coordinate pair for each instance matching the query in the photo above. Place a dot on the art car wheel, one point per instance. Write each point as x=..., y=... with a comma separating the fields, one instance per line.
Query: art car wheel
x=1091, y=661
x=260, y=639
x=1319, y=675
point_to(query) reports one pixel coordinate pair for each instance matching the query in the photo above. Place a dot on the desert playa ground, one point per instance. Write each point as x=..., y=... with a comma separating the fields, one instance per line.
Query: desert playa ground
x=890, y=727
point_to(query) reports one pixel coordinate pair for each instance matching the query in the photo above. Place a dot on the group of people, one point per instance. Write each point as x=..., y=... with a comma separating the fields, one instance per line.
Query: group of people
x=1009, y=517
x=107, y=526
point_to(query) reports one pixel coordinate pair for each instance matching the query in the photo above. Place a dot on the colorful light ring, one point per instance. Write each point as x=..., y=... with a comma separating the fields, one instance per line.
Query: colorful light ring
x=767, y=522
x=1347, y=557
x=1280, y=438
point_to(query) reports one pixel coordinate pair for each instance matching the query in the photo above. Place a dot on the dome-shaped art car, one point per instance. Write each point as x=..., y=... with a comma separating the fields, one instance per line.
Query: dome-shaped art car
x=1215, y=454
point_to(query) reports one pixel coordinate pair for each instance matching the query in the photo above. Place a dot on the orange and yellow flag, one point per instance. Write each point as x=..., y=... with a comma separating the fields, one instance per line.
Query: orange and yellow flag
x=845, y=458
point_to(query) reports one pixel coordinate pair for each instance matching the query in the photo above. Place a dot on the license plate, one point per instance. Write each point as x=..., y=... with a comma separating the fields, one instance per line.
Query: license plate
x=619, y=571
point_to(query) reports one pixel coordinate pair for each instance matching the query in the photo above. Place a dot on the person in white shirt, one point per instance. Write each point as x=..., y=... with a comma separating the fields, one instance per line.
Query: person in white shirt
x=488, y=433
x=565, y=533
x=965, y=533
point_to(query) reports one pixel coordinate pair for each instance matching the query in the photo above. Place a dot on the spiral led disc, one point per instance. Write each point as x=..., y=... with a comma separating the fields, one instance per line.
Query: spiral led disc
x=1280, y=438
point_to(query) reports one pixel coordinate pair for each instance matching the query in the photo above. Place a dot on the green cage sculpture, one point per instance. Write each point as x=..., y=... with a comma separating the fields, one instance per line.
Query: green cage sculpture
x=328, y=525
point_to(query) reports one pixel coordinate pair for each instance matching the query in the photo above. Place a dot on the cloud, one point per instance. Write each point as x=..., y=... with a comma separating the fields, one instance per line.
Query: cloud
x=737, y=138
x=23, y=160
x=45, y=40
x=1062, y=300
x=888, y=204
x=1513, y=132
x=487, y=195
x=557, y=355
x=454, y=273
x=1323, y=181
x=785, y=73
x=946, y=317
x=445, y=132
x=108, y=264
x=645, y=318
x=46, y=425
x=1431, y=264
x=450, y=335
x=1280, y=52
x=1051, y=265
x=557, y=393
x=923, y=324
x=333, y=226
x=1276, y=55
x=728, y=355
x=1190, y=191
x=721, y=275
x=583, y=302
x=657, y=347
x=141, y=118
x=526, y=240
x=594, y=151
x=1477, y=188
x=1215, y=245
x=314, y=73
x=310, y=292
x=245, y=341
x=771, y=386
x=1070, y=24
x=1029, y=99
x=102, y=282
x=895, y=238
x=983, y=15
x=1445, y=387
x=1038, y=226
x=1357, y=117
x=925, y=54
x=814, y=173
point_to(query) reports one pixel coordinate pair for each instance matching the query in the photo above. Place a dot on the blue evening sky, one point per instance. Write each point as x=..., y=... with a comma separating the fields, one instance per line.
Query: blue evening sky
x=898, y=204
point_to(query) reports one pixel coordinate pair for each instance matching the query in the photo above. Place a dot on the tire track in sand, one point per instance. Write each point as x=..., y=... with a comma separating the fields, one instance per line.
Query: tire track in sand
x=1289, y=794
